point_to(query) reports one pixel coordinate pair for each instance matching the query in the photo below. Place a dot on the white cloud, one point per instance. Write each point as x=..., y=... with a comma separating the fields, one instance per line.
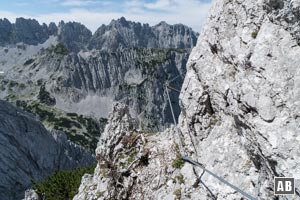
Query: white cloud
x=133, y=3
x=189, y=12
x=161, y=5
x=77, y=3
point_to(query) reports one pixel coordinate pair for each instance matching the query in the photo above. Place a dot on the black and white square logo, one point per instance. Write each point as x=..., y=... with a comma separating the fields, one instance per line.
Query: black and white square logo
x=284, y=186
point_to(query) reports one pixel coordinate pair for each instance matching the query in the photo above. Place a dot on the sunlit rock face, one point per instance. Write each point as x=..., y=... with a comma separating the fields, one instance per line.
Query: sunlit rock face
x=240, y=98
x=30, y=152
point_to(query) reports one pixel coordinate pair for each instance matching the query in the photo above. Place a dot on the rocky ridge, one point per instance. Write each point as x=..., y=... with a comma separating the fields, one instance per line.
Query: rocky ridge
x=134, y=164
x=30, y=152
x=126, y=34
x=239, y=115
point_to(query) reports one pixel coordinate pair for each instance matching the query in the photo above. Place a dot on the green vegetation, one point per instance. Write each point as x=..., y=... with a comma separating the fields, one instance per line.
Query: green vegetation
x=61, y=49
x=11, y=97
x=177, y=193
x=254, y=34
x=178, y=162
x=126, y=86
x=131, y=157
x=100, y=194
x=180, y=179
x=45, y=97
x=62, y=185
x=12, y=84
x=81, y=130
x=22, y=86
x=149, y=59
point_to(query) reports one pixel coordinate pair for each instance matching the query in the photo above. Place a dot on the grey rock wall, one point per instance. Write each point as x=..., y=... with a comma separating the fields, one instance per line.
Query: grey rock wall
x=30, y=152
x=240, y=97
x=28, y=31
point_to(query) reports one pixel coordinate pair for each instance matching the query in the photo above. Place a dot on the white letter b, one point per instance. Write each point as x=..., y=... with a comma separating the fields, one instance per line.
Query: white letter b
x=288, y=186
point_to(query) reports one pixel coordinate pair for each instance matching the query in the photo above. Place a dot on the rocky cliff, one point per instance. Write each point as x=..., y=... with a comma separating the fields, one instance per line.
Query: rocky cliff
x=30, y=152
x=239, y=115
x=240, y=98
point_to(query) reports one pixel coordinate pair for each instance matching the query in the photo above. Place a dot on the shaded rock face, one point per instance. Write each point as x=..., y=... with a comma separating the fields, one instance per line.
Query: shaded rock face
x=74, y=35
x=240, y=98
x=6, y=29
x=286, y=14
x=28, y=31
x=30, y=152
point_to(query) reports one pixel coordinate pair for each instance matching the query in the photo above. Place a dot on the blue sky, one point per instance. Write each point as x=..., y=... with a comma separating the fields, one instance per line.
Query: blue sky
x=94, y=13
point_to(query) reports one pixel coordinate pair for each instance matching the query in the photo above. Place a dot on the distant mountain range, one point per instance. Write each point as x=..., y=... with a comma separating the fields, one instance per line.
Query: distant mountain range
x=119, y=33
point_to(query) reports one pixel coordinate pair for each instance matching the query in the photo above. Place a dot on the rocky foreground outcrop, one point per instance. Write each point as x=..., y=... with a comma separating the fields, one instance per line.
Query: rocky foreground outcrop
x=133, y=164
x=30, y=152
x=240, y=115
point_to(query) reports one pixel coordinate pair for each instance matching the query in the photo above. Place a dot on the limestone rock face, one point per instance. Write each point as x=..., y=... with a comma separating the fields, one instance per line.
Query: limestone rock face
x=134, y=164
x=240, y=98
x=30, y=152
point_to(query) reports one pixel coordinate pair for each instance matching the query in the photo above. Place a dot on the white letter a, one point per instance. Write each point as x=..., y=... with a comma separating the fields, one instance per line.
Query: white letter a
x=280, y=186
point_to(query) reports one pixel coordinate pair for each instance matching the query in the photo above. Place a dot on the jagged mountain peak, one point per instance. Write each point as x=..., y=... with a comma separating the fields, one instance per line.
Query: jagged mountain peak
x=28, y=31
x=121, y=21
x=128, y=34
x=74, y=35
x=22, y=20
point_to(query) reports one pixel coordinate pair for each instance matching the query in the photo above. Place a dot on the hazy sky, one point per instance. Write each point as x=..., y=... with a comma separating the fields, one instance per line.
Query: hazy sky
x=94, y=13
